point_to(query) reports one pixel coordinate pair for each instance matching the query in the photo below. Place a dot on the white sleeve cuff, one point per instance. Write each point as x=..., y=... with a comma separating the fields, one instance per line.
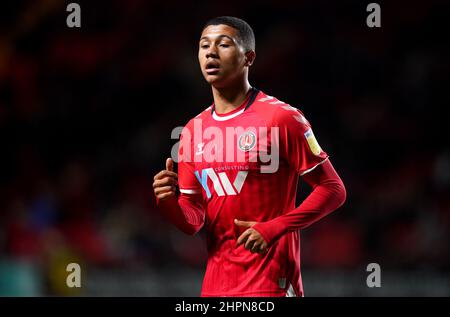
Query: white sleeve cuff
x=310, y=169
x=190, y=191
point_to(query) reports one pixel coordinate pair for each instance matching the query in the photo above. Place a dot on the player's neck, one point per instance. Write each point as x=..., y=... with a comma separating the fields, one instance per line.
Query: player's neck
x=229, y=98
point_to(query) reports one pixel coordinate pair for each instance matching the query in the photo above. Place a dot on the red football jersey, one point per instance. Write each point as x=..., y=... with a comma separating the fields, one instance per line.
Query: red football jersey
x=246, y=165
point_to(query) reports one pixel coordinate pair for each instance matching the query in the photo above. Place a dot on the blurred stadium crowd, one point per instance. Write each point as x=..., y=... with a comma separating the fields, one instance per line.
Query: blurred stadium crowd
x=86, y=116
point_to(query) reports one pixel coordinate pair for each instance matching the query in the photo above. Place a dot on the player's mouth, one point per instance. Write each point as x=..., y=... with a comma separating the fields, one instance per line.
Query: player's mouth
x=212, y=67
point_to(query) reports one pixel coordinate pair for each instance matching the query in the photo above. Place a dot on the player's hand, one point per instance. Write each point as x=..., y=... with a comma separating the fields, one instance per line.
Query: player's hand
x=253, y=240
x=165, y=182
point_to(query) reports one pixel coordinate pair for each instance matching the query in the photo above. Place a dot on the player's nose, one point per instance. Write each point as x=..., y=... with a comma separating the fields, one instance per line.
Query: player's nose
x=212, y=52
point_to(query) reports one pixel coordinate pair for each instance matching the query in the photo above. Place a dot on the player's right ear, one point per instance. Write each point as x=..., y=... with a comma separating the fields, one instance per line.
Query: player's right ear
x=250, y=58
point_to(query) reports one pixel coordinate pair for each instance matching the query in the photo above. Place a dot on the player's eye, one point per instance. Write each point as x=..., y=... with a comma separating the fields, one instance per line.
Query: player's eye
x=204, y=46
x=224, y=45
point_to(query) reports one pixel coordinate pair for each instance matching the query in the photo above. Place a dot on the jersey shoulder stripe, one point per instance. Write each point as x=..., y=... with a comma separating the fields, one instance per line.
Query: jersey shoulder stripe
x=206, y=110
x=279, y=110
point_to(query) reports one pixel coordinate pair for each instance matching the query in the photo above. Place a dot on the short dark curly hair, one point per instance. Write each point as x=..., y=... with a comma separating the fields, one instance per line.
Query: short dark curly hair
x=245, y=32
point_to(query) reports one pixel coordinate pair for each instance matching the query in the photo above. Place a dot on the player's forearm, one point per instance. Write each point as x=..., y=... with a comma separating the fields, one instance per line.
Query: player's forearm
x=186, y=213
x=328, y=194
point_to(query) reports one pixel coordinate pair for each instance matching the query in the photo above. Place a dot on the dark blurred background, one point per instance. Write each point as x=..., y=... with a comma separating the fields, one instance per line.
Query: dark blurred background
x=86, y=116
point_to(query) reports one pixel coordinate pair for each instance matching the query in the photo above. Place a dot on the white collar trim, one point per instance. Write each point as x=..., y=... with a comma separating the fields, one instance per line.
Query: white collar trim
x=225, y=118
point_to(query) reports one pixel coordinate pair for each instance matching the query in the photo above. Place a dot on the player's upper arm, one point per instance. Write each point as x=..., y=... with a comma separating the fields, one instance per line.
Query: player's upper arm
x=187, y=181
x=298, y=145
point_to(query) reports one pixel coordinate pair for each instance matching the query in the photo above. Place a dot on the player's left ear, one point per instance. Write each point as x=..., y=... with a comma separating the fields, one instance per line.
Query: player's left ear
x=250, y=58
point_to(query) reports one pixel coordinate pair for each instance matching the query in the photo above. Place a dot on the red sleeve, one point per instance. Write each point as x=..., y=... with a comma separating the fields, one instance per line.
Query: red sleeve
x=187, y=181
x=187, y=213
x=298, y=145
x=328, y=194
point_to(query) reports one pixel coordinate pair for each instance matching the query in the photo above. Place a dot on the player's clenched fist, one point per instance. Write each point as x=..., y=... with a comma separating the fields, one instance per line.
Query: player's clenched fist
x=165, y=182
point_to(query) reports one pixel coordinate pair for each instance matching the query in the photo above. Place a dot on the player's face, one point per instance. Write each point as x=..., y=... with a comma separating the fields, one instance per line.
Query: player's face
x=222, y=58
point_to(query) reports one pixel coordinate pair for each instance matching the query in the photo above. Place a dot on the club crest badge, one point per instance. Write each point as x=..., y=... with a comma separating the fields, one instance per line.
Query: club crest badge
x=247, y=141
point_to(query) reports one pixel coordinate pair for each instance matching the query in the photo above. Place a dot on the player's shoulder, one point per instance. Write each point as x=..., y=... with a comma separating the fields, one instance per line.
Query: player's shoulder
x=277, y=111
x=205, y=114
